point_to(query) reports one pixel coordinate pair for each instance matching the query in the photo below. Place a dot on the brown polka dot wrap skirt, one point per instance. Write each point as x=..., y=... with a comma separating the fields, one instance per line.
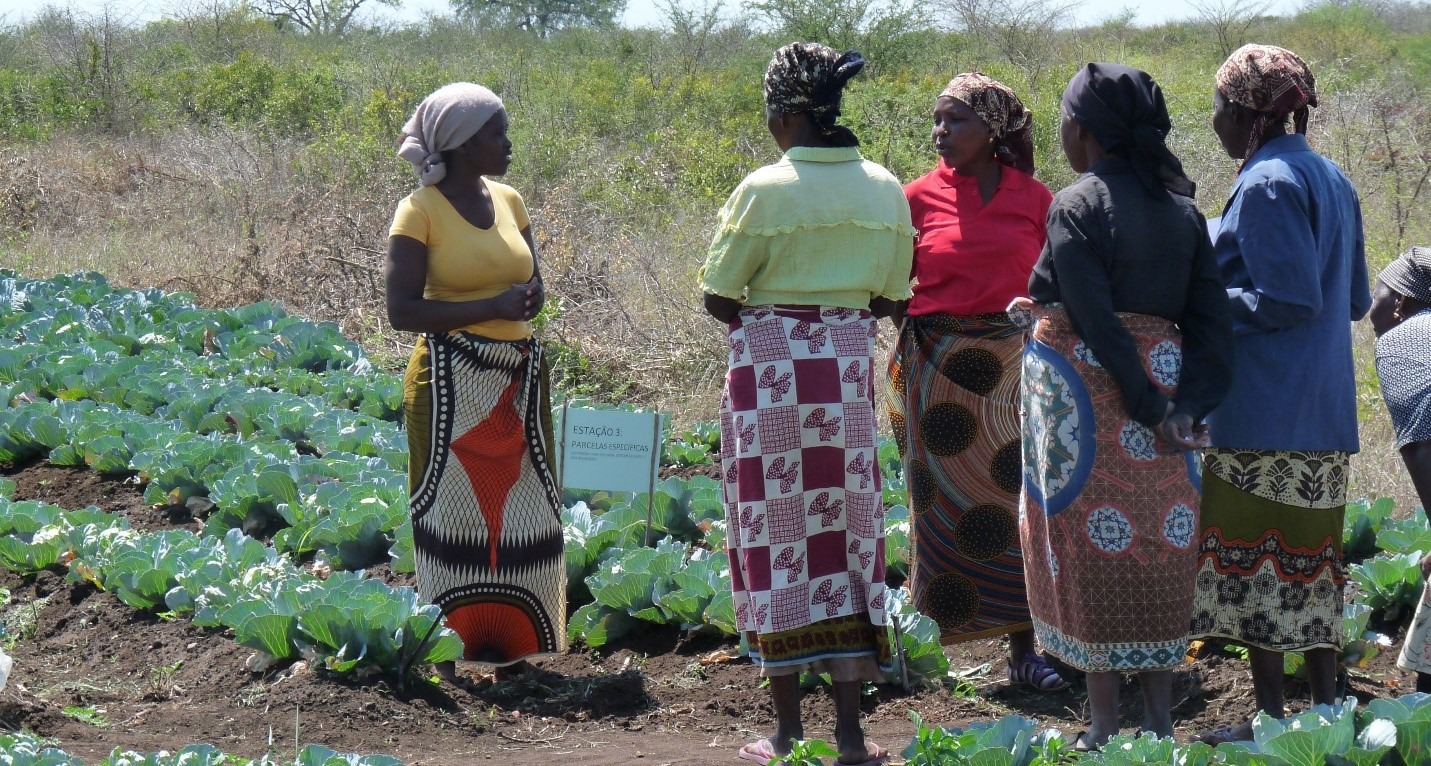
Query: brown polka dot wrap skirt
x=954, y=406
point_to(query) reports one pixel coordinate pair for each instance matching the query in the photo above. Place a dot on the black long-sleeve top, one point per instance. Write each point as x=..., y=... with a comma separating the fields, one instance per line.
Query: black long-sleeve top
x=1114, y=247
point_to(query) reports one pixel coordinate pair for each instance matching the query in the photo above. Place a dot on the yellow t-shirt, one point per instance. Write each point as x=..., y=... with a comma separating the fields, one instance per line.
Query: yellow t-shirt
x=467, y=263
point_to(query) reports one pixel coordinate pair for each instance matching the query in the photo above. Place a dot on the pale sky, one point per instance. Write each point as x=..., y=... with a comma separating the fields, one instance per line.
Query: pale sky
x=638, y=12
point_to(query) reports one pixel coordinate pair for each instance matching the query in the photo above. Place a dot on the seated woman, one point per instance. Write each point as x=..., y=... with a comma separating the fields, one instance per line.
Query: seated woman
x=954, y=393
x=806, y=252
x=1129, y=350
x=1401, y=316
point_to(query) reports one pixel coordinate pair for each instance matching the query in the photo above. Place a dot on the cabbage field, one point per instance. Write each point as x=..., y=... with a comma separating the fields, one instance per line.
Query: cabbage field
x=278, y=444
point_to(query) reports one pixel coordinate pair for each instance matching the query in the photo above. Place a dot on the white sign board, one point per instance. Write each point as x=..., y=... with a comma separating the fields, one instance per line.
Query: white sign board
x=610, y=449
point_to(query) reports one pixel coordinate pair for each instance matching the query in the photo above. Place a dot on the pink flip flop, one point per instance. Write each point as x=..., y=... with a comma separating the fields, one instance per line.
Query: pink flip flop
x=760, y=751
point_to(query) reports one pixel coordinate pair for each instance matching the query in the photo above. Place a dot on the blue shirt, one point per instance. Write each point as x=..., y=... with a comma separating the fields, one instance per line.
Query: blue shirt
x=1292, y=255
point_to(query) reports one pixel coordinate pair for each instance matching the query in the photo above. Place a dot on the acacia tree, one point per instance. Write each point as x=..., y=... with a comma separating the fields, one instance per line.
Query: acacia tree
x=874, y=28
x=542, y=16
x=1230, y=19
x=319, y=17
x=1022, y=31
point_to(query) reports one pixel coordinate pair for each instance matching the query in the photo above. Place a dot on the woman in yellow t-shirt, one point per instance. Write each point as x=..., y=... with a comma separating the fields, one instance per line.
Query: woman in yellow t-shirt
x=462, y=271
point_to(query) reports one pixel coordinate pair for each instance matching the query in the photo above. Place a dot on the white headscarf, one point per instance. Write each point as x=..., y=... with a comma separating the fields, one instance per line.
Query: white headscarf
x=444, y=121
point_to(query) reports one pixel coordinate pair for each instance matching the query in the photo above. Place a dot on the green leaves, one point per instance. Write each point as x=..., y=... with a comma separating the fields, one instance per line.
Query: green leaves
x=1391, y=582
x=1410, y=717
x=918, y=640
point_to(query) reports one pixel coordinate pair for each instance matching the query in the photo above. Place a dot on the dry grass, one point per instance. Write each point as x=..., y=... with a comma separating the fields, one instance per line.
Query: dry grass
x=233, y=218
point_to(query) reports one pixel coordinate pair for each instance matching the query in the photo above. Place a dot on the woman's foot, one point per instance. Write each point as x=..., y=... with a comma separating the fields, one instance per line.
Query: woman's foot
x=447, y=671
x=867, y=753
x=762, y=751
x=1035, y=672
x=1090, y=740
x=511, y=672
x=1240, y=733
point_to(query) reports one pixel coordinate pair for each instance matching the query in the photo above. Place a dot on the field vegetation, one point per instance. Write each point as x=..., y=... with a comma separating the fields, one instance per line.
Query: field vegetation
x=236, y=157
x=223, y=154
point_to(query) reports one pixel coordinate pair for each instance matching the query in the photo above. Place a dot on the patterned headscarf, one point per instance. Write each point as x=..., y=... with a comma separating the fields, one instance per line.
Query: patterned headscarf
x=444, y=121
x=1124, y=110
x=1272, y=81
x=1410, y=275
x=810, y=78
x=1002, y=111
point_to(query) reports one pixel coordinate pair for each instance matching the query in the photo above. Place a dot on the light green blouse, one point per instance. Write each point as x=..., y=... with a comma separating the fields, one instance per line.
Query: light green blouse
x=821, y=227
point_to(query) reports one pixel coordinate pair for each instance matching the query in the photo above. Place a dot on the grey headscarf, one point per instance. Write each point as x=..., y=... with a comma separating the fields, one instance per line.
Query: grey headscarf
x=442, y=122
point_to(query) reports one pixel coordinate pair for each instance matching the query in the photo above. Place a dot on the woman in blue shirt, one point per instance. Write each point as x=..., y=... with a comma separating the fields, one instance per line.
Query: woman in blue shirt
x=1291, y=252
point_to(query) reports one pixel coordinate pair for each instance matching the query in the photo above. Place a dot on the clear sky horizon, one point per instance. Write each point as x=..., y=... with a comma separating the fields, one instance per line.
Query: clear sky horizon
x=639, y=13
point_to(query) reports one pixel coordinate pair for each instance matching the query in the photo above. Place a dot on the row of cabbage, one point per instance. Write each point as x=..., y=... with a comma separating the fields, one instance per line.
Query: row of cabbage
x=25, y=749
x=233, y=414
x=1390, y=732
x=279, y=427
x=340, y=622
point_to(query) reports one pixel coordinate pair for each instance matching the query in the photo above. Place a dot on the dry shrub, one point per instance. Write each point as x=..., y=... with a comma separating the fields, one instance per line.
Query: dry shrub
x=628, y=303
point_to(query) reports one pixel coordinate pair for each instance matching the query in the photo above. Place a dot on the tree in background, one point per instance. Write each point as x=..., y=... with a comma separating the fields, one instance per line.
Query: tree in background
x=542, y=16
x=873, y=28
x=1230, y=19
x=1021, y=31
x=319, y=17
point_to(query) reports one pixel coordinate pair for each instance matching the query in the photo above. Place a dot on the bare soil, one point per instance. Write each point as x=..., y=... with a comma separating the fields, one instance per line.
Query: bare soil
x=96, y=675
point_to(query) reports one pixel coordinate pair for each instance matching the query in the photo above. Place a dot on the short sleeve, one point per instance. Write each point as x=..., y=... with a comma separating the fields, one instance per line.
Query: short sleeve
x=410, y=220
x=897, y=287
x=734, y=256
x=517, y=207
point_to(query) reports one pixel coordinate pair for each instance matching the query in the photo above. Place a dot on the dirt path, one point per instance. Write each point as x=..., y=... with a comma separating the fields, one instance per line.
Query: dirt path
x=143, y=683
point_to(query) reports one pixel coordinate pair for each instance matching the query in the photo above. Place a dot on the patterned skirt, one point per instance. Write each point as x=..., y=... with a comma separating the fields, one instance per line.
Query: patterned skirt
x=1109, y=514
x=1270, y=571
x=802, y=487
x=954, y=406
x=485, y=505
x=1416, y=650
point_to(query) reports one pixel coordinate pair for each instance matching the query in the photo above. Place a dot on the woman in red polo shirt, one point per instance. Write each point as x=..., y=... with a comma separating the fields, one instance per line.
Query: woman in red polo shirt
x=954, y=398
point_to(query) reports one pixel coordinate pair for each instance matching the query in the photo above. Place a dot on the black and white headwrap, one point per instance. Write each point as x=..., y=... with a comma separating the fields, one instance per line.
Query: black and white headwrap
x=810, y=78
x=1410, y=275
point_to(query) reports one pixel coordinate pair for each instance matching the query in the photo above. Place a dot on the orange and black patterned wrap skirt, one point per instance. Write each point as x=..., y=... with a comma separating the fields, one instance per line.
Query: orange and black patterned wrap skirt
x=1110, y=513
x=953, y=403
x=485, y=502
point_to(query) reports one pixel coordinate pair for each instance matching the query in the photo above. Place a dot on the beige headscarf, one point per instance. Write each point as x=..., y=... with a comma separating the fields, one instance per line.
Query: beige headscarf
x=444, y=121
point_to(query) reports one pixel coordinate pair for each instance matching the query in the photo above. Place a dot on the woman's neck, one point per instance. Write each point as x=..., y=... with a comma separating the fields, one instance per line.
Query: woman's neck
x=988, y=172
x=460, y=182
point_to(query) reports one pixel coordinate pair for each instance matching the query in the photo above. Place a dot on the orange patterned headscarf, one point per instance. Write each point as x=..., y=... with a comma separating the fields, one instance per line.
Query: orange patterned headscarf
x=1002, y=111
x=1272, y=81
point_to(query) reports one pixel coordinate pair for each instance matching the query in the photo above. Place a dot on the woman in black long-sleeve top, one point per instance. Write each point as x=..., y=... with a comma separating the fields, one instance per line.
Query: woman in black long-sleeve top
x=1129, y=349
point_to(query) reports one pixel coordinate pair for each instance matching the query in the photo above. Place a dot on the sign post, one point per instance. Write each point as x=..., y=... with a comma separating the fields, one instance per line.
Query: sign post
x=614, y=450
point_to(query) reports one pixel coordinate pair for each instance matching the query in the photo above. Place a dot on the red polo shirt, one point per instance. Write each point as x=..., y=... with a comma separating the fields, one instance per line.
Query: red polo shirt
x=971, y=258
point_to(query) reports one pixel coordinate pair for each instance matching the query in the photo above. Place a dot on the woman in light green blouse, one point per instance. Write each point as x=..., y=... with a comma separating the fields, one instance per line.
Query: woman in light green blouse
x=808, y=252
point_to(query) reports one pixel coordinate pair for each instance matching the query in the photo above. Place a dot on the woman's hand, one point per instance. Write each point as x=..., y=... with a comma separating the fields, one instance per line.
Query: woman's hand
x=721, y=307
x=1179, y=430
x=536, y=296
x=519, y=302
